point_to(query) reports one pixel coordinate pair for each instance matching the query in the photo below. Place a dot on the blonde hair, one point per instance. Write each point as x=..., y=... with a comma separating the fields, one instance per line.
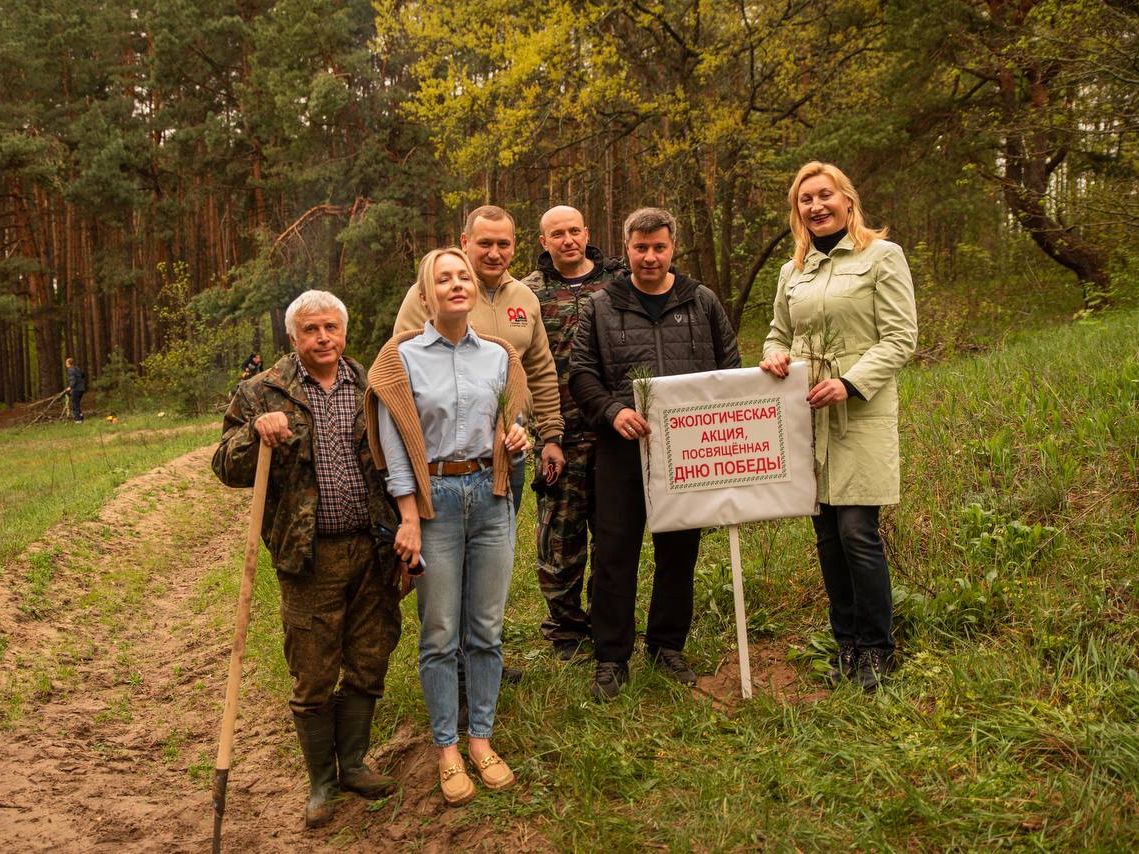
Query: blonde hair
x=856, y=227
x=425, y=279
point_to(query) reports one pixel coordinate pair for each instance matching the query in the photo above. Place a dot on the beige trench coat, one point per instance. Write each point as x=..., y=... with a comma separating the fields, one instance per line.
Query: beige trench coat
x=851, y=315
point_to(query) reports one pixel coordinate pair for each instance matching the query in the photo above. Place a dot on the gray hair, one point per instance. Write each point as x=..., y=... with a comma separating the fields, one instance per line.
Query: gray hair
x=313, y=302
x=648, y=220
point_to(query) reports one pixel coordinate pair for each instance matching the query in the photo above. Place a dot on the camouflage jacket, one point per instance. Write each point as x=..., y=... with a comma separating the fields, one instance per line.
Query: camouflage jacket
x=561, y=305
x=289, y=528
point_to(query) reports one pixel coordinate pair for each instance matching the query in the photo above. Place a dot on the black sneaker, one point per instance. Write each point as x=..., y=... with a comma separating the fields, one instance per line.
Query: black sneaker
x=567, y=649
x=844, y=665
x=873, y=666
x=673, y=664
x=608, y=679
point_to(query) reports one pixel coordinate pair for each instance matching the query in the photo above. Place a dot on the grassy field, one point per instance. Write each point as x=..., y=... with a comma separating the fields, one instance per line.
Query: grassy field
x=1013, y=721
x=70, y=469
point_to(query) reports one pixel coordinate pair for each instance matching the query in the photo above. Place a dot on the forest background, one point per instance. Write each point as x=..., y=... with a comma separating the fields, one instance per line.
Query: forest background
x=176, y=171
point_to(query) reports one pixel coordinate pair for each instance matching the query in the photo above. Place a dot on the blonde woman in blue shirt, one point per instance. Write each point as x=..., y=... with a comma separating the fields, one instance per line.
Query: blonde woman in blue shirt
x=446, y=425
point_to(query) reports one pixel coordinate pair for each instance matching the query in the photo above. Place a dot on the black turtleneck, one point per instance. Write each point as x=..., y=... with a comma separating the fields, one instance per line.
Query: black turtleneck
x=827, y=243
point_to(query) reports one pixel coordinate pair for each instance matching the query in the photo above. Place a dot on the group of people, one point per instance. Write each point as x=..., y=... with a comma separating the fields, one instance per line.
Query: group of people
x=410, y=474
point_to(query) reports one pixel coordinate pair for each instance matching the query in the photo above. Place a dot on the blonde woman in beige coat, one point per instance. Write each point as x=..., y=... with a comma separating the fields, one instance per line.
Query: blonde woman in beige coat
x=845, y=304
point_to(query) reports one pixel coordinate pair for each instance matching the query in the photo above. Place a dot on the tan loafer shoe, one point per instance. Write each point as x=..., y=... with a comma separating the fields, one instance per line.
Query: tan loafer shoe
x=494, y=773
x=456, y=784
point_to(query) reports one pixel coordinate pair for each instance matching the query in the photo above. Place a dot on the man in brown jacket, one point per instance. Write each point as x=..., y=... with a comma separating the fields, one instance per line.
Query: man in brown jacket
x=506, y=309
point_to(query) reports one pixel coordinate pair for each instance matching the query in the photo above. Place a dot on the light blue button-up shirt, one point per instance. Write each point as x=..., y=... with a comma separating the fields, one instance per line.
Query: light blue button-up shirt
x=456, y=394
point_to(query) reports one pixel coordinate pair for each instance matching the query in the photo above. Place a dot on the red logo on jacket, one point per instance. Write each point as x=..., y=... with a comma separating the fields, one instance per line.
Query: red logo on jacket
x=516, y=315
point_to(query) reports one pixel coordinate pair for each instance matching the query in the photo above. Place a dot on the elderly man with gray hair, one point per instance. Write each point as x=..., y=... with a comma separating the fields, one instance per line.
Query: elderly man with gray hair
x=329, y=529
x=657, y=317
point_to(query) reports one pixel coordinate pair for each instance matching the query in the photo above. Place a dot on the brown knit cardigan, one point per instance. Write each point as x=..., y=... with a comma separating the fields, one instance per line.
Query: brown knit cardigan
x=388, y=382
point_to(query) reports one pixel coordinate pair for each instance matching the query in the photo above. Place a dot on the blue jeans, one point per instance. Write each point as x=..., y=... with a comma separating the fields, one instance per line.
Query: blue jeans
x=517, y=483
x=469, y=551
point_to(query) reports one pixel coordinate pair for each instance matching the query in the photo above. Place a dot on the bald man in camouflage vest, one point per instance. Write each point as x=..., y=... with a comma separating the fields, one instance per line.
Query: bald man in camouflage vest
x=569, y=270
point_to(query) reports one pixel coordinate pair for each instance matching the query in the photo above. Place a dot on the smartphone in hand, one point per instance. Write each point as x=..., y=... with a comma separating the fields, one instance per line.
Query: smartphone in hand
x=418, y=569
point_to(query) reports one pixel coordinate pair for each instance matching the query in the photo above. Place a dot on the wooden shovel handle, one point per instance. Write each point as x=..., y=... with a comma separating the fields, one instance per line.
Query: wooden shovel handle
x=241, y=627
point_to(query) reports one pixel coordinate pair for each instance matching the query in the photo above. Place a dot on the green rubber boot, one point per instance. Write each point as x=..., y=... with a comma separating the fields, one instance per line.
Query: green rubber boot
x=317, y=734
x=353, y=735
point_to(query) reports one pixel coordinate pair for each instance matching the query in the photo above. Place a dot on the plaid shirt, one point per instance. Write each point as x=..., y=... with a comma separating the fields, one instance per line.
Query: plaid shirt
x=342, y=506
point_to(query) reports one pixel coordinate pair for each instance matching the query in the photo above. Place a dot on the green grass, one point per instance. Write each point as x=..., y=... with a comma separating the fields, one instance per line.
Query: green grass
x=103, y=456
x=1013, y=721
x=66, y=471
x=41, y=568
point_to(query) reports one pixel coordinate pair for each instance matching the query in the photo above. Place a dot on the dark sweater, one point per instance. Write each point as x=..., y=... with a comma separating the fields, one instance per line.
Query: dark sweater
x=828, y=242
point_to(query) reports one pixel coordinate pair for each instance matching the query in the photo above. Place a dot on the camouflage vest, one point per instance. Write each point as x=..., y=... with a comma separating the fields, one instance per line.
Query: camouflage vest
x=289, y=526
x=561, y=306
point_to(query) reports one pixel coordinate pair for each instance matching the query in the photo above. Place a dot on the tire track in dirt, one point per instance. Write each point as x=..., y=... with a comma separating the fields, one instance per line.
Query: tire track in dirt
x=121, y=677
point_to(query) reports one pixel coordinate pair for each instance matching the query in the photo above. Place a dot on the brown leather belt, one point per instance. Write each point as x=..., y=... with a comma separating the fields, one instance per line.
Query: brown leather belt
x=455, y=468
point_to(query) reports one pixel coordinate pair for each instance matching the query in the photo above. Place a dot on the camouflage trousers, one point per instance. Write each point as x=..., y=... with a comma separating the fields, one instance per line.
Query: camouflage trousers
x=341, y=622
x=565, y=515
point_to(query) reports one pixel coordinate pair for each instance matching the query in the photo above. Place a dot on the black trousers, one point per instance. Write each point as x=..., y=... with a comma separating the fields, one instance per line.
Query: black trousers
x=76, y=405
x=857, y=579
x=618, y=533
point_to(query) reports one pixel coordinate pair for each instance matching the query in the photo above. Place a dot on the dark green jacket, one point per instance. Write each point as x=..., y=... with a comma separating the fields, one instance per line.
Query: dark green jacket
x=561, y=307
x=289, y=528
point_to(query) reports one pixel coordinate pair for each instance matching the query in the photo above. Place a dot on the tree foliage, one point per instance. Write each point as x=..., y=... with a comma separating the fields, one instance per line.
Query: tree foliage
x=1038, y=97
x=703, y=107
x=276, y=145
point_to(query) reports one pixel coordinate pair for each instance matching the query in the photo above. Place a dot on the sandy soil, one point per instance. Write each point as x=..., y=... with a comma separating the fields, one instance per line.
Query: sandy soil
x=770, y=674
x=114, y=746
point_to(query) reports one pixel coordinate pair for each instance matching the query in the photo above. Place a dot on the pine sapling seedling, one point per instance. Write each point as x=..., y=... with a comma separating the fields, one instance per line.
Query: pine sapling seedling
x=820, y=340
x=642, y=379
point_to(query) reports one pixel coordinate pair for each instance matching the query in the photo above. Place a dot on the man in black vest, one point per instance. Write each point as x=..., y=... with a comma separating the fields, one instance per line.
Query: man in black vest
x=659, y=318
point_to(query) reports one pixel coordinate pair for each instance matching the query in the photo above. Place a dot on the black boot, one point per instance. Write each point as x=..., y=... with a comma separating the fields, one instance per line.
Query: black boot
x=874, y=665
x=317, y=734
x=353, y=734
x=844, y=665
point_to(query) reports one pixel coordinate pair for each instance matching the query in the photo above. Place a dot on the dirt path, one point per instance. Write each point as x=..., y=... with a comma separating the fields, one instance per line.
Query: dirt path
x=114, y=678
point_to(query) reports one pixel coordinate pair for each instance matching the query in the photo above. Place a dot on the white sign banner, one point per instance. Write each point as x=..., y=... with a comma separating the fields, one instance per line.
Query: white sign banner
x=727, y=447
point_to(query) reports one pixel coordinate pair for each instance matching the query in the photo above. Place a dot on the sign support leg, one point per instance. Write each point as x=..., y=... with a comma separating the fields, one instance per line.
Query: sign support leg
x=741, y=617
